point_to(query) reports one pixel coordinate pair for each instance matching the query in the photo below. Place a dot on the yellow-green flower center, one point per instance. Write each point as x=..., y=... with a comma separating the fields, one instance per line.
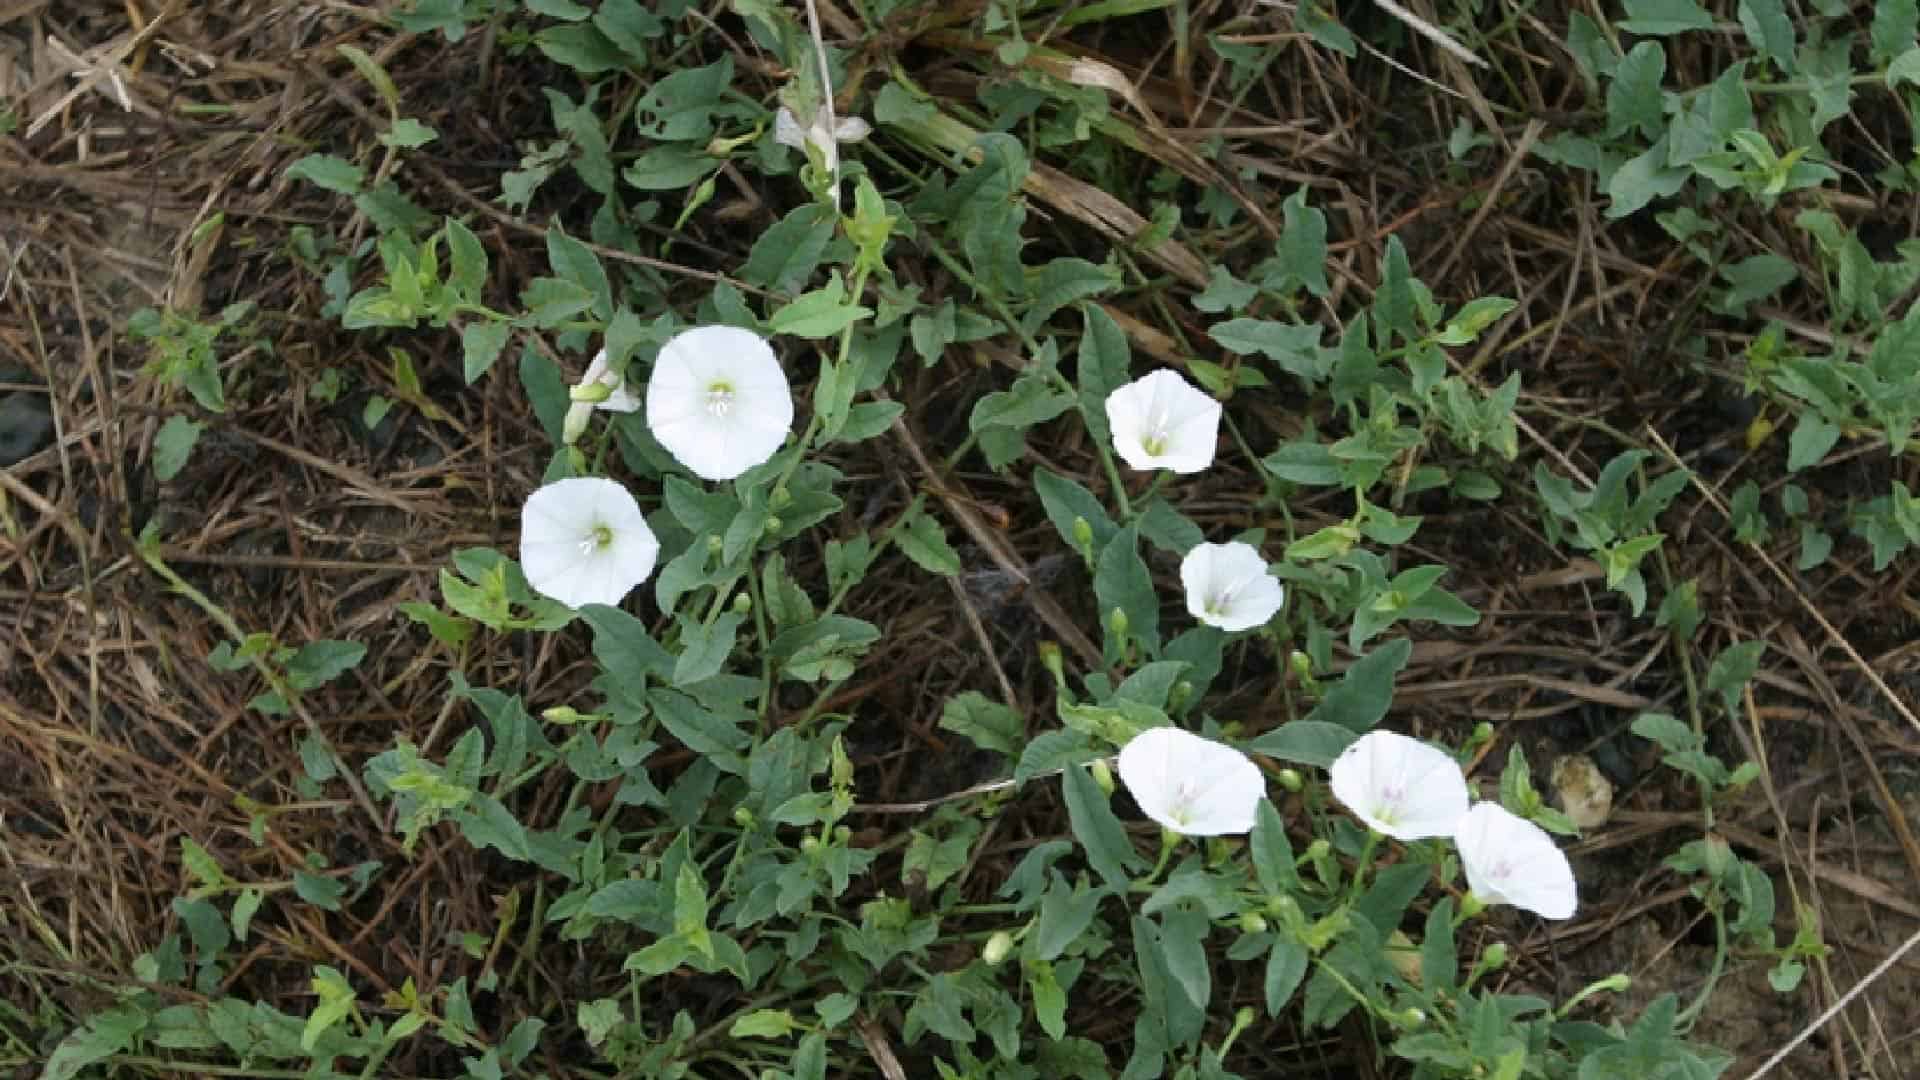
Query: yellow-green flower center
x=720, y=399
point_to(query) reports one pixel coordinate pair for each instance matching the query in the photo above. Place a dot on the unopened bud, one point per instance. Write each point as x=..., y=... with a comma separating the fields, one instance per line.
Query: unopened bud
x=742, y=603
x=778, y=498
x=1471, y=906
x=1050, y=659
x=1178, y=697
x=774, y=523
x=1495, y=957
x=1252, y=922
x=1118, y=622
x=715, y=545
x=1102, y=774
x=1290, y=779
x=575, y=424
x=560, y=714
x=1413, y=1018
x=810, y=845
x=999, y=947
x=1318, y=849
x=591, y=393
x=743, y=817
x=1083, y=536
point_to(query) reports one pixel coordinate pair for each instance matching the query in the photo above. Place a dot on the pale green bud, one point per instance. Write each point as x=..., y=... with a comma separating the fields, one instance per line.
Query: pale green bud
x=999, y=947
x=1102, y=774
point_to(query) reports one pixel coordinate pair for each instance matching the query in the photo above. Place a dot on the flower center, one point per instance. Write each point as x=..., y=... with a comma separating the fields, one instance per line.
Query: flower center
x=720, y=399
x=599, y=537
x=1155, y=441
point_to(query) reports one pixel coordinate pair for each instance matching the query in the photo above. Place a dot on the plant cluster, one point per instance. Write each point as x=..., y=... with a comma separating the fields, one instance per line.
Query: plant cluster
x=1307, y=867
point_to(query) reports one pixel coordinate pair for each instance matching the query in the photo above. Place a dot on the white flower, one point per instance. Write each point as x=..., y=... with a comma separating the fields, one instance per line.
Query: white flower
x=618, y=398
x=1228, y=586
x=788, y=132
x=1194, y=786
x=1510, y=860
x=1400, y=787
x=1160, y=421
x=584, y=541
x=718, y=400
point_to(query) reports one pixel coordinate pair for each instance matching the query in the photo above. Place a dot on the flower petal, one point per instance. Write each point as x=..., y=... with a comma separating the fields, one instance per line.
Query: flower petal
x=583, y=540
x=1191, y=785
x=1510, y=860
x=714, y=439
x=1161, y=421
x=1228, y=586
x=1400, y=787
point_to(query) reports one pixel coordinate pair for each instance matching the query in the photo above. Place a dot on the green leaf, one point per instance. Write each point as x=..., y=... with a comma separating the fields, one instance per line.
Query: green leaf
x=1305, y=742
x=1813, y=437
x=669, y=167
x=1122, y=581
x=1294, y=347
x=821, y=313
x=1770, y=30
x=172, y=445
x=765, y=1024
x=573, y=261
x=1659, y=18
x=1183, y=948
x=988, y=724
x=1643, y=179
x=1286, y=967
x=1896, y=23
x=1101, y=364
x=1065, y=501
x=1053, y=750
x=1097, y=829
x=320, y=662
x=1272, y=852
x=922, y=539
x=581, y=47
x=552, y=301
x=1302, y=254
x=1061, y=282
x=786, y=255
x=1634, y=98
x=408, y=134
x=1732, y=670
x=481, y=342
x=704, y=647
x=1361, y=697
x=335, y=174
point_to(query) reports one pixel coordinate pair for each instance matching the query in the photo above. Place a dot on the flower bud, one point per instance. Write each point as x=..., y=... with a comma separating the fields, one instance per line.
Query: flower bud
x=1413, y=1018
x=590, y=393
x=1102, y=774
x=715, y=545
x=774, y=523
x=1319, y=849
x=560, y=714
x=1495, y=957
x=1117, y=622
x=778, y=498
x=743, y=817
x=742, y=603
x=575, y=424
x=1290, y=779
x=810, y=845
x=1050, y=659
x=999, y=947
x=1252, y=922
x=1083, y=536
x=1178, y=697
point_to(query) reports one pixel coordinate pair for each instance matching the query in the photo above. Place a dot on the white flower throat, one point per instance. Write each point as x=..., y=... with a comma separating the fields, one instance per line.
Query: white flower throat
x=720, y=400
x=598, y=537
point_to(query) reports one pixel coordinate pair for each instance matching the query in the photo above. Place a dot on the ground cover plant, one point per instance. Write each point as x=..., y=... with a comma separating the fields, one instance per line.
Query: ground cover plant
x=1023, y=539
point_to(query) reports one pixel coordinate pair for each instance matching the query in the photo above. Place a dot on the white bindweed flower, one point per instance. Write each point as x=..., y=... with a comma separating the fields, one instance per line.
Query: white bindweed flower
x=1400, y=787
x=1191, y=785
x=584, y=541
x=1228, y=586
x=1161, y=421
x=597, y=380
x=787, y=131
x=1510, y=860
x=719, y=401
